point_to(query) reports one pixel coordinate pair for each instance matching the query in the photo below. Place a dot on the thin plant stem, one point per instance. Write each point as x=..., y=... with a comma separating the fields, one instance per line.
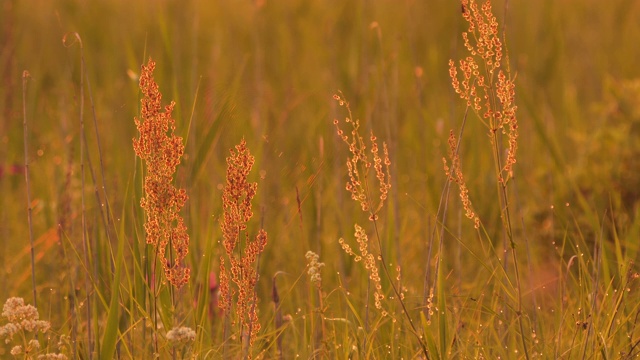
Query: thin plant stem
x=597, y=259
x=109, y=225
x=506, y=218
x=25, y=79
x=278, y=321
x=442, y=209
x=85, y=241
x=366, y=313
x=398, y=296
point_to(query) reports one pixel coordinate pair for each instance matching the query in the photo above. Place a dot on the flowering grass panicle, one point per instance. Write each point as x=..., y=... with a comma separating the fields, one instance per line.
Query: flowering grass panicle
x=236, y=199
x=486, y=85
x=162, y=203
x=359, y=164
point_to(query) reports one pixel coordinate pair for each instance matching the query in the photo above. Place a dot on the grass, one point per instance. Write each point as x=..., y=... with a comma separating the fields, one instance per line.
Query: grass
x=548, y=271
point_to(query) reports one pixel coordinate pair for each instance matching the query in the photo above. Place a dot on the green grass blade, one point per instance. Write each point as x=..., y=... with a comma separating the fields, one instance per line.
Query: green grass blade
x=431, y=341
x=111, y=330
x=442, y=314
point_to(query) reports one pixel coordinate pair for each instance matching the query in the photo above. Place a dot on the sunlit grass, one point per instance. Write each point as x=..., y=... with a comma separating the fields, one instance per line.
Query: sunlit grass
x=266, y=71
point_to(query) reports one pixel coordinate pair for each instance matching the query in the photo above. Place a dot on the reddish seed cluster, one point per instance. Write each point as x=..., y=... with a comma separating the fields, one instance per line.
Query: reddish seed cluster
x=488, y=90
x=370, y=264
x=506, y=94
x=359, y=165
x=490, y=97
x=358, y=168
x=236, y=199
x=165, y=228
x=454, y=173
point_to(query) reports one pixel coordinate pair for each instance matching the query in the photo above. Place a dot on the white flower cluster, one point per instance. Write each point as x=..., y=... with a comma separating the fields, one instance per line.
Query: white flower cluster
x=181, y=334
x=314, y=267
x=21, y=317
x=25, y=318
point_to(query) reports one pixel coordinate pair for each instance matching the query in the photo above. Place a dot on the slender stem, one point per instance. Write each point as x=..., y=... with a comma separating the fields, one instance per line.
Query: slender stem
x=366, y=314
x=506, y=216
x=442, y=207
x=25, y=78
x=85, y=241
x=372, y=216
x=109, y=219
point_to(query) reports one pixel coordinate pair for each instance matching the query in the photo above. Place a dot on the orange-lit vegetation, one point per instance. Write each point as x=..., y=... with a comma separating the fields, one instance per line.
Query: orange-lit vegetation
x=158, y=249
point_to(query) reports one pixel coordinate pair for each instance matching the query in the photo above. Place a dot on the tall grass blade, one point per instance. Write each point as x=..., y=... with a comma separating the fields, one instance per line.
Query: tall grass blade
x=442, y=316
x=111, y=328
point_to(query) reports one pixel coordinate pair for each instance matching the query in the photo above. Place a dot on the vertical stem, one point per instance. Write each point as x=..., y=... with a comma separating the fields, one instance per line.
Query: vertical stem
x=225, y=334
x=25, y=78
x=277, y=318
x=85, y=241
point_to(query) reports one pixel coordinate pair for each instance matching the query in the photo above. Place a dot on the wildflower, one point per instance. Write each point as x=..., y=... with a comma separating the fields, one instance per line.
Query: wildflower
x=181, y=334
x=25, y=318
x=314, y=267
x=164, y=227
x=8, y=331
x=16, y=350
x=34, y=344
x=21, y=317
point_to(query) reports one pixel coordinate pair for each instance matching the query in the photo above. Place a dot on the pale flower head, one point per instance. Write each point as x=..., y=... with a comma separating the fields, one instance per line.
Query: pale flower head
x=21, y=317
x=8, y=331
x=16, y=350
x=181, y=334
x=15, y=310
x=314, y=267
x=53, y=356
x=34, y=344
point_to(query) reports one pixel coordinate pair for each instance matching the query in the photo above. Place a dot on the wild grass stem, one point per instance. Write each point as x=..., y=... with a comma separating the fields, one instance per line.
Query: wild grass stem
x=86, y=249
x=25, y=79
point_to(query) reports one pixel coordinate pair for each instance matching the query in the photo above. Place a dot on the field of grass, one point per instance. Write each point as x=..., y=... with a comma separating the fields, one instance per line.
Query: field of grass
x=548, y=270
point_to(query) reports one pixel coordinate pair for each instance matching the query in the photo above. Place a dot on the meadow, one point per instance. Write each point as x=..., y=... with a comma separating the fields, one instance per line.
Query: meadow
x=327, y=184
